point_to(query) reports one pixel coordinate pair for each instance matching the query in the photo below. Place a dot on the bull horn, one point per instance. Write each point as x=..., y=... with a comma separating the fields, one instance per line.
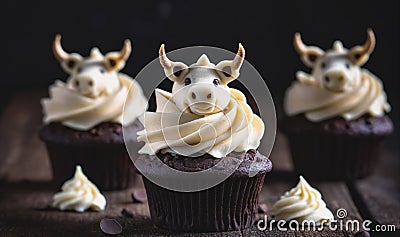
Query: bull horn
x=164, y=60
x=239, y=58
x=58, y=51
x=300, y=47
x=126, y=50
x=309, y=54
x=369, y=44
x=359, y=54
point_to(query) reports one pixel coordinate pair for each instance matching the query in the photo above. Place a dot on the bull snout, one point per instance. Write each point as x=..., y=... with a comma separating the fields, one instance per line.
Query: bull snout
x=335, y=81
x=84, y=84
x=202, y=98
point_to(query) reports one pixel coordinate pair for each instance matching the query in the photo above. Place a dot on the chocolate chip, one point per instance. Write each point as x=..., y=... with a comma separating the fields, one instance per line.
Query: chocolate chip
x=139, y=195
x=362, y=233
x=262, y=208
x=110, y=226
x=128, y=213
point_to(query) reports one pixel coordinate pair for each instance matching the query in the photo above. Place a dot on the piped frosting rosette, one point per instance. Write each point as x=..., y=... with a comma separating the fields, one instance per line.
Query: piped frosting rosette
x=80, y=112
x=79, y=194
x=319, y=104
x=235, y=128
x=302, y=203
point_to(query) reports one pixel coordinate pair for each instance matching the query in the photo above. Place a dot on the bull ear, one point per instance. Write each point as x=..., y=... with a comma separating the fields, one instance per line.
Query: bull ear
x=228, y=70
x=309, y=54
x=360, y=54
x=115, y=61
x=175, y=71
x=69, y=61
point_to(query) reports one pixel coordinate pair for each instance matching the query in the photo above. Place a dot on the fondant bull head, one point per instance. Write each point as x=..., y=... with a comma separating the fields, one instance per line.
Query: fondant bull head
x=337, y=69
x=94, y=75
x=202, y=87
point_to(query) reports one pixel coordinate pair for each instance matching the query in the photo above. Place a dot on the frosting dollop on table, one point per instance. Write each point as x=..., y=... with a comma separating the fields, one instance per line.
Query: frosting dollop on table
x=301, y=203
x=319, y=104
x=79, y=194
x=236, y=128
x=80, y=112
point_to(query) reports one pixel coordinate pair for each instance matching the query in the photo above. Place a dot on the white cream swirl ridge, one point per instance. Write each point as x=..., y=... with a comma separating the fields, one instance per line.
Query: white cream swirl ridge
x=80, y=112
x=319, y=104
x=236, y=128
x=301, y=203
x=79, y=194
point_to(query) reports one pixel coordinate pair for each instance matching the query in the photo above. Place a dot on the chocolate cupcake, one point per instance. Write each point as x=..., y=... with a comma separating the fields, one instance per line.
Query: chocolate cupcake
x=200, y=132
x=83, y=118
x=336, y=117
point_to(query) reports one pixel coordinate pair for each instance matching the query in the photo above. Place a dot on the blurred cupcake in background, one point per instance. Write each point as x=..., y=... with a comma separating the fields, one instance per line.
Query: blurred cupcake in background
x=83, y=117
x=336, y=117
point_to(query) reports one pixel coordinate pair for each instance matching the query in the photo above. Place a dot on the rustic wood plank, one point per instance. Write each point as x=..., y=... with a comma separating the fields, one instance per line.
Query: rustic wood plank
x=23, y=205
x=22, y=155
x=25, y=211
x=336, y=195
x=380, y=193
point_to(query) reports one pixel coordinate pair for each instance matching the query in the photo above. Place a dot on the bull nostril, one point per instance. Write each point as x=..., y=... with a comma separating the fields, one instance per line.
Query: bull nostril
x=90, y=83
x=193, y=95
x=76, y=83
x=327, y=79
x=209, y=96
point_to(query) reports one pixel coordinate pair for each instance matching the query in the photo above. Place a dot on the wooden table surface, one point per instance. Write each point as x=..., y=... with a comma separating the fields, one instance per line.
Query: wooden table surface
x=25, y=193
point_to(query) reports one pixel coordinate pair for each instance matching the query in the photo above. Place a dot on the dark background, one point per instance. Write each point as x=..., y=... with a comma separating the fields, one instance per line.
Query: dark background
x=265, y=28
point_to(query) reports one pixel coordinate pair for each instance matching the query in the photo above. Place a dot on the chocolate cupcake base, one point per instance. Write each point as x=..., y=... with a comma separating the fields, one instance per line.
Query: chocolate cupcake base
x=230, y=205
x=100, y=151
x=336, y=149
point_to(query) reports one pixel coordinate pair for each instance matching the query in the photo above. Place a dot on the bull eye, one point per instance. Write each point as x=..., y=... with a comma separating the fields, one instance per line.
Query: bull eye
x=102, y=70
x=216, y=82
x=188, y=81
x=347, y=65
x=323, y=65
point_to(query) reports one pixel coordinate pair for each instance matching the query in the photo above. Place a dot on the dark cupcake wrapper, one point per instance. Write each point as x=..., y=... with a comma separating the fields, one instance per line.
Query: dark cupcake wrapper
x=231, y=205
x=106, y=165
x=334, y=157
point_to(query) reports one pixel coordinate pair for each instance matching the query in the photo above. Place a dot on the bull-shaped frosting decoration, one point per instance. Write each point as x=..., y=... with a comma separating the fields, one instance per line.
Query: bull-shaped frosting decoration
x=94, y=75
x=338, y=69
x=202, y=87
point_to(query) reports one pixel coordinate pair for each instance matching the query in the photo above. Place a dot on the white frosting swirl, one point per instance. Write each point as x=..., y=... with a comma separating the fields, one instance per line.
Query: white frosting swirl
x=79, y=194
x=80, y=112
x=168, y=129
x=302, y=202
x=320, y=104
